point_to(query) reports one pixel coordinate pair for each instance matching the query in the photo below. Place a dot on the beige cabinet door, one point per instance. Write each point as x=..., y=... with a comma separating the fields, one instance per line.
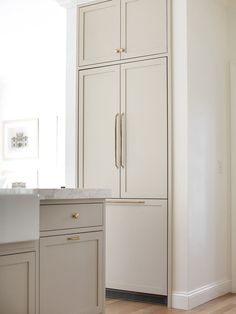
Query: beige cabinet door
x=18, y=284
x=136, y=246
x=143, y=27
x=99, y=104
x=71, y=274
x=144, y=129
x=99, y=32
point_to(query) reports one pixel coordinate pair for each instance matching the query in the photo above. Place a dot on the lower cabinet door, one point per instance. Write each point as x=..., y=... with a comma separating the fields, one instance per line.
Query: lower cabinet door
x=18, y=284
x=71, y=274
x=136, y=246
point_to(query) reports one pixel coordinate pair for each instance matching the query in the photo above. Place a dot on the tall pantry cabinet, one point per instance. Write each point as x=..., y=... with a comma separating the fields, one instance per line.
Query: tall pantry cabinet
x=123, y=106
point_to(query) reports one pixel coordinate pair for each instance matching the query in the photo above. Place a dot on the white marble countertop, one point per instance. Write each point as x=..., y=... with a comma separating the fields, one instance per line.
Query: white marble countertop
x=53, y=194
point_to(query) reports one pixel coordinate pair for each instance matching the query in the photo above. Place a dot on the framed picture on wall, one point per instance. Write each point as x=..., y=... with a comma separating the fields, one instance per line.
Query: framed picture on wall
x=21, y=139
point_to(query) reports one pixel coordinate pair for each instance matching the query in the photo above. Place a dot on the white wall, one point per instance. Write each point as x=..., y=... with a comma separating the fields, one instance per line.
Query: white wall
x=233, y=172
x=180, y=146
x=71, y=100
x=232, y=39
x=32, y=80
x=71, y=92
x=206, y=203
x=208, y=168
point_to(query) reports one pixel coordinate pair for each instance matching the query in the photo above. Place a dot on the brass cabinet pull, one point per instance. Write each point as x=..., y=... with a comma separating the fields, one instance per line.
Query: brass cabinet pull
x=73, y=238
x=116, y=141
x=125, y=202
x=122, y=142
x=76, y=215
x=119, y=50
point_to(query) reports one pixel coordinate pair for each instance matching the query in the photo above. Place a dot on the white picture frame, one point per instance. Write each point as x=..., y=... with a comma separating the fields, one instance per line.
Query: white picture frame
x=20, y=139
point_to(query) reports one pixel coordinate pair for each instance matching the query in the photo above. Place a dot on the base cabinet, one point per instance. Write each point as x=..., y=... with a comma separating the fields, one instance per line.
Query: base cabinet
x=18, y=284
x=136, y=246
x=63, y=271
x=71, y=274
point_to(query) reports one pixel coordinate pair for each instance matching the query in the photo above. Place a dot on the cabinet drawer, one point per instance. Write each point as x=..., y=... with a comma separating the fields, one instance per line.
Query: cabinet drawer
x=68, y=216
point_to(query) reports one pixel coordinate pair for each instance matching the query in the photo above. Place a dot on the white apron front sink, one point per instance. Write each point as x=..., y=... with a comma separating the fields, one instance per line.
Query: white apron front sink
x=19, y=218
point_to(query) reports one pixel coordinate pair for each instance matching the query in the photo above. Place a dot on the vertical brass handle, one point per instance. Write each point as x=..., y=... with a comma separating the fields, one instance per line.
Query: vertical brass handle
x=116, y=141
x=122, y=141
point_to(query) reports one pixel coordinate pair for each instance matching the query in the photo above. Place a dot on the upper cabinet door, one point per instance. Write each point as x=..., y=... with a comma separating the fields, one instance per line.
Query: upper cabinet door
x=144, y=129
x=99, y=92
x=143, y=27
x=99, y=35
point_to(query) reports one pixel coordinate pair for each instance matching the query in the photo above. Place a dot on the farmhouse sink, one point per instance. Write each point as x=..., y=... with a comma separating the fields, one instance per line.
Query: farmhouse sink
x=19, y=217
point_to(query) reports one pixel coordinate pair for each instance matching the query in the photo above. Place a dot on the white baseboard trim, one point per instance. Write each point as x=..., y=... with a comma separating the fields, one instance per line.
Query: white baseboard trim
x=189, y=300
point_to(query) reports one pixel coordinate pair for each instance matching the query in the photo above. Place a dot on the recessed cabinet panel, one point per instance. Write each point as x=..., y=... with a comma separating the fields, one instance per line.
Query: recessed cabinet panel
x=143, y=27
x=17, y=284
x=144, y=129
x=99, y=106
x=71, y=274
x=136, y=246
x=99, y=34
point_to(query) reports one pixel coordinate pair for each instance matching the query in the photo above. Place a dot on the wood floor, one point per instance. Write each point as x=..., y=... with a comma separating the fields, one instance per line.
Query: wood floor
x=222, y=305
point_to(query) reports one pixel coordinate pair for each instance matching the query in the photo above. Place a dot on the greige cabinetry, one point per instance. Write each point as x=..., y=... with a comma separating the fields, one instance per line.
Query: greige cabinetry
x=141, y=247
x=61, y=273
x=123, y=129
x=121, y=29
x=71, y=267
x=18, y=279
x=71, y=259
x=143, y=27
x=99, y=92
x=124, y=140
x=99, y=32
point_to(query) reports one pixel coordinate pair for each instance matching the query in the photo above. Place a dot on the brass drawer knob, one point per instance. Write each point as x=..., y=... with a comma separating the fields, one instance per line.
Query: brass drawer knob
x=122, y=50
x=117, y=50
x=76, y=216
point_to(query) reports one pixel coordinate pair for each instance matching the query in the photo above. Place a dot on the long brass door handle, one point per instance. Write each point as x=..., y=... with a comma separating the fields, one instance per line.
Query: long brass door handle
x=116, y=141
x=122, y=141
